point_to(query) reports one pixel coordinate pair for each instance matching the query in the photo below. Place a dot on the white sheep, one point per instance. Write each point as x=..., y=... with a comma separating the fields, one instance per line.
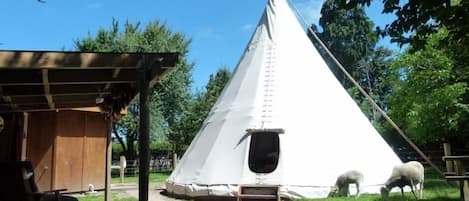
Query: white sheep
x=408, y=174
x=342, y=183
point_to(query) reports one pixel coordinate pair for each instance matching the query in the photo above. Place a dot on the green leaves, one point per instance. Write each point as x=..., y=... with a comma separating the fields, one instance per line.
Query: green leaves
x=417, y=20
x=425, y=89
x=428, y=98
x=348, y=34
x=169, y=96
x=203, y=102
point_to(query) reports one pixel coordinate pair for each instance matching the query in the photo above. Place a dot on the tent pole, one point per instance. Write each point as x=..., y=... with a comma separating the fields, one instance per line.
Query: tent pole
x=144, y=134
x=368, y=97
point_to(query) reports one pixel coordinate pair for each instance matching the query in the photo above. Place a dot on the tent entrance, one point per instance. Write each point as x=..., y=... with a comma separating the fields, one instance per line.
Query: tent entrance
x=264, y=150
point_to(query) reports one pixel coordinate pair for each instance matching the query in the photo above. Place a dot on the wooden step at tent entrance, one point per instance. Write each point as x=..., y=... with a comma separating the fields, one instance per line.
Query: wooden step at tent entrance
x=258, y=192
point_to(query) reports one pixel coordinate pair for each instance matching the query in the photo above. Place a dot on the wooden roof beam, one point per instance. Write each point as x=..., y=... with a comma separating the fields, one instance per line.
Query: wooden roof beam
x=57, y=104
x=65, y=90
x=115, y=73
x=45, y=81
x=43, y=59
x=58, y=77
x=60, y=94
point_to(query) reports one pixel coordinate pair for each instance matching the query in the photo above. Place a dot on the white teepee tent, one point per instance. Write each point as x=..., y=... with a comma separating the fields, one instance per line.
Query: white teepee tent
x=282, y=87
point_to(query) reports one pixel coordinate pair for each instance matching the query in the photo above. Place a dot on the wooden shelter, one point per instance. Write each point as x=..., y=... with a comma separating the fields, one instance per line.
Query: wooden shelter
x=68, y=149
x=39, y=94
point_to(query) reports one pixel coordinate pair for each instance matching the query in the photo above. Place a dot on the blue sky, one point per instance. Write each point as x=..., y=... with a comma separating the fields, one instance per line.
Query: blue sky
x=219, y=29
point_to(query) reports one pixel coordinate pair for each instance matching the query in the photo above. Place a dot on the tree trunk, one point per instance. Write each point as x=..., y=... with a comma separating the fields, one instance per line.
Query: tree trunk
x=130, y=154
x=119, y=138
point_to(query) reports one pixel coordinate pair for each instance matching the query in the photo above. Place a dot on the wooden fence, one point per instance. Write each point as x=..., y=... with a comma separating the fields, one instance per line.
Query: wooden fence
x=131, y=166
x=435, y=154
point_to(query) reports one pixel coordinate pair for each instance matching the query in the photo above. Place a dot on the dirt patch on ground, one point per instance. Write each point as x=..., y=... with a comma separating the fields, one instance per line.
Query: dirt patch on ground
x=154, y=192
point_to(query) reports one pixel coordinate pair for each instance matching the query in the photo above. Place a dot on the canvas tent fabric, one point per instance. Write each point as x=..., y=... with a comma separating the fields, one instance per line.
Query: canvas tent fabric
x=281, y=82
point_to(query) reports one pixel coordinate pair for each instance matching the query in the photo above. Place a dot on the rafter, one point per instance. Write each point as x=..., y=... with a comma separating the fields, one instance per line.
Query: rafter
x=41, y=80
x=45, y=82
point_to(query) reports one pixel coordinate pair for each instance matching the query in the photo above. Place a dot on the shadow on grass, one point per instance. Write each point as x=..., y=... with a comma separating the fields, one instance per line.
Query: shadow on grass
x=437, y=184
x=443, y=199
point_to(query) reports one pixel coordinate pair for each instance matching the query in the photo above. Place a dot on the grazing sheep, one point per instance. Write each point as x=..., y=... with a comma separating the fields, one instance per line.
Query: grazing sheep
x=407, y=174
x=341, y=186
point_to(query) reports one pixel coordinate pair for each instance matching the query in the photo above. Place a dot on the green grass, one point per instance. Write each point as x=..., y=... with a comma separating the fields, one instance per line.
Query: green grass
x=115, y=197
x=435, y=189
x=155, y=178
x=158, y=177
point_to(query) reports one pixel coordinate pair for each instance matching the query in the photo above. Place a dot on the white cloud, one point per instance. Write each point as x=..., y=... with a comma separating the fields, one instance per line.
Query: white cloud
x=247, y=28
x=94, y=6
x=310, y=10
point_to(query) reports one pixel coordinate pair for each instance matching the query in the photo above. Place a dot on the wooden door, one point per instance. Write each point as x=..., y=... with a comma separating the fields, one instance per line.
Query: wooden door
x=40, y=141
x=94, y=161
x=69, y=150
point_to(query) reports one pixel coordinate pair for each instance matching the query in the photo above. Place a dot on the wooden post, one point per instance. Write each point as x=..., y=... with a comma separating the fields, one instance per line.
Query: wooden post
x=458, y=168
x=144, y=138
x=175, y=160
x=447, y=152
x=24, y=141
x=123, y=165
x=107, y=180
x=465, y=190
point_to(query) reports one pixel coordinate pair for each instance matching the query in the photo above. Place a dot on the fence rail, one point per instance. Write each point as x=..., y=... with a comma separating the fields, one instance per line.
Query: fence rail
x=435, y=155
x=156, y=165
x=404, y=153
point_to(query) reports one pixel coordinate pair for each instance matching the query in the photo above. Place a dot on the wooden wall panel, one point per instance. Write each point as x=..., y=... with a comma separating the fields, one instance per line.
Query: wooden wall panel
x=94, y=163
x=69, y=150
x=40, y=138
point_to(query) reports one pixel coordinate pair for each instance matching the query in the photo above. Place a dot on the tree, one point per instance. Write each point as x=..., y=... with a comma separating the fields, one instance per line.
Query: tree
x=417, y=24
x=169, y=95
x=417, y=20
x=372, y=70
x=349, y=36
x=203, y=103
x=428, y=99
x=126, y=131
x=173, y=92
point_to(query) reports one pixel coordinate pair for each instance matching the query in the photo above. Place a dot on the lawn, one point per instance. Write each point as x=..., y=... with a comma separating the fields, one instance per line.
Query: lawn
x=155, y=177
x=115, y=197
x=435, y=189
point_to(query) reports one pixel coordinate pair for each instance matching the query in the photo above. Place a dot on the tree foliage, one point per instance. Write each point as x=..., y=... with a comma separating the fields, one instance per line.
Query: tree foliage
x=203, y=103
x=373, y=69
x=169, y=95
x=417, y=20
x=429, y=100
x=173, y=92
x=348, y=34
x=428, y=82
